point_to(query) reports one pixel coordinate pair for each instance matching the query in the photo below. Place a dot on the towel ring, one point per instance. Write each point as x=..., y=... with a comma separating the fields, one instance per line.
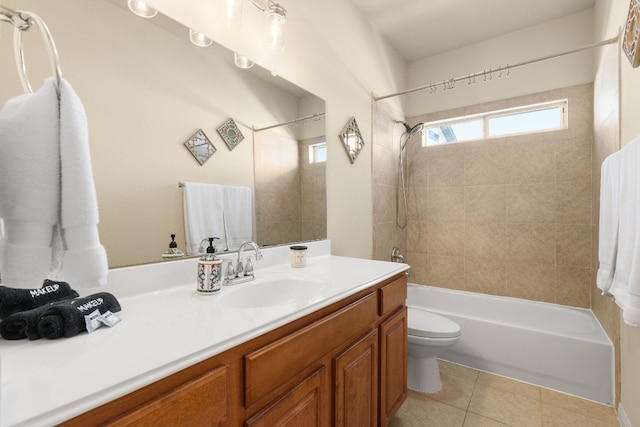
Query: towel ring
x=19, y=52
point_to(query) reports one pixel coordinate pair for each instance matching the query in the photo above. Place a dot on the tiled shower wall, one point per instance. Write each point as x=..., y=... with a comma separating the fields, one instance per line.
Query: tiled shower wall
x=386, y=234
x=290, y=193
x=507, y=216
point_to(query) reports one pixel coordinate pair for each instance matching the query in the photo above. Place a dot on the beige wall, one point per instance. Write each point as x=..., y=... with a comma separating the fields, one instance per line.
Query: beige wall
x=507, y=216
x=610, y=16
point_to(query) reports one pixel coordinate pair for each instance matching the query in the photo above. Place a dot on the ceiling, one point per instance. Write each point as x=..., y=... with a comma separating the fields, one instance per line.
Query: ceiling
x=423, y=28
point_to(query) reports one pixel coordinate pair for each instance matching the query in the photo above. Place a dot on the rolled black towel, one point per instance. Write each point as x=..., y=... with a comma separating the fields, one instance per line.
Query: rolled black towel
x=67, y=318
x=15, y=300
x=23, y=324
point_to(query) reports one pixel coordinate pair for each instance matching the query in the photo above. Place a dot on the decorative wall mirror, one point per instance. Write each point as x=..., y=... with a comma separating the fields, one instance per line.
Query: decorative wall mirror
x=200, y=147
x=632, y=34
x=352, y=139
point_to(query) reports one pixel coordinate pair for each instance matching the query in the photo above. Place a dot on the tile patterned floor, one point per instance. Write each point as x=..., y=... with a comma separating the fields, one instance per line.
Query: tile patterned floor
x=471, y=398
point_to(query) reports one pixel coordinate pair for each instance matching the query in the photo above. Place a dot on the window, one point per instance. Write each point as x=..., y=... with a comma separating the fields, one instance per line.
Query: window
x=542, y=117
x=318, y=153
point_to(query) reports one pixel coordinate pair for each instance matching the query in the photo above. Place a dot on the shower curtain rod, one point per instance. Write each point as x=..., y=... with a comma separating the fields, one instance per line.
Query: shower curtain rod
x=290, y=122
x=450, y=84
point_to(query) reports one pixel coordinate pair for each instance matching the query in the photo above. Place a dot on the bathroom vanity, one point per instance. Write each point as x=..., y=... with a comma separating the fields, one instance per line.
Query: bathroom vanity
x=336, y=355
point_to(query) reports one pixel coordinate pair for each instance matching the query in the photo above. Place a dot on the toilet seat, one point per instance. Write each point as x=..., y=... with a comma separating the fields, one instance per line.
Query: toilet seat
x=423, y=323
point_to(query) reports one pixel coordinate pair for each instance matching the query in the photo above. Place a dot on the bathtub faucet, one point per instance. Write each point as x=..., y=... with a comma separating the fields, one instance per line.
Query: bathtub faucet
x=396, y=256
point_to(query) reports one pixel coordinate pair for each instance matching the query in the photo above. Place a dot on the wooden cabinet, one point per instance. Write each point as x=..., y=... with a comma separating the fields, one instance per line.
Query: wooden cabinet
x=356, y=383
x=202, y=401
x=344, y=365
x=393, y=365
x=305, y=405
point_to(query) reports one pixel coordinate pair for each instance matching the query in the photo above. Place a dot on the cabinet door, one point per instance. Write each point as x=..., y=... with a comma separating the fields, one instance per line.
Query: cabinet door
x=393, y=365
x=356, y=383
x=304, y=406
x=200, y=402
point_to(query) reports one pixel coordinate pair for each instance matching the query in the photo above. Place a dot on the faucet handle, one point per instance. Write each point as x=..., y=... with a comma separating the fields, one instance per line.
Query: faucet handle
x=230, y=272
x=248, y=267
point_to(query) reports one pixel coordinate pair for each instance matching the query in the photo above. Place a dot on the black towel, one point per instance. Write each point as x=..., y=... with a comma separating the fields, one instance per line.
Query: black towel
x=23, y=324
x=67, y=318
x=15, y=300
x=61, y=318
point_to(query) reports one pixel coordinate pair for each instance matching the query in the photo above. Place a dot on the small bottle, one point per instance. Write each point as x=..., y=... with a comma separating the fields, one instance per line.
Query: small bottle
x=173, y=251
x=209, y=271
x=298, y=256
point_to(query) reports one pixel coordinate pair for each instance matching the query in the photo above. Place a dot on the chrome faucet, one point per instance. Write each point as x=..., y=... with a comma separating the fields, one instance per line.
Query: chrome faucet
x=242, y=272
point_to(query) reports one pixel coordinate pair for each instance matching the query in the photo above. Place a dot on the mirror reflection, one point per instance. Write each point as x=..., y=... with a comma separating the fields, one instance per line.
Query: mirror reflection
x=146, y=90
x=290, y=165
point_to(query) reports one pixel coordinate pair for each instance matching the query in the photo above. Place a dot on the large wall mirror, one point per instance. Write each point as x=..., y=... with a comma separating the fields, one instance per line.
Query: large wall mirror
x=147, y=89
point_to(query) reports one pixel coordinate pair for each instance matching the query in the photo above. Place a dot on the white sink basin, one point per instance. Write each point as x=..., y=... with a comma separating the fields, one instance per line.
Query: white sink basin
x=274, y=289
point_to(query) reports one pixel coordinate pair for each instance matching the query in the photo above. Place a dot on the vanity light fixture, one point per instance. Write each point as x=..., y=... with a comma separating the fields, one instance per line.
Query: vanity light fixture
x=234, y=12
x=199, y=39
x=140, y=8
x=276, y=19
x=242, y=61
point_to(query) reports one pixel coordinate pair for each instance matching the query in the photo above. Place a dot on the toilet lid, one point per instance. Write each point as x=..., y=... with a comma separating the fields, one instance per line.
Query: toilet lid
x=426, y=324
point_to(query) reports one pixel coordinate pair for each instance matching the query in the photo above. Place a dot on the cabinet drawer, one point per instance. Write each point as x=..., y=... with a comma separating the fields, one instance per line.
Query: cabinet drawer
x=202, y=401
x=279, y=362
x=393, y=295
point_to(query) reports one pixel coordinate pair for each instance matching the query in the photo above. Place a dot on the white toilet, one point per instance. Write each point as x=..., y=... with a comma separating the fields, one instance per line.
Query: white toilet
x=429, y=335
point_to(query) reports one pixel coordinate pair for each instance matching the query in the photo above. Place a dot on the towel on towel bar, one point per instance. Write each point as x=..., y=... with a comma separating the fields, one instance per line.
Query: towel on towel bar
x=609, y=221
x=203, y=206
x=47, y=193
x=238, y=216
x=625, y=287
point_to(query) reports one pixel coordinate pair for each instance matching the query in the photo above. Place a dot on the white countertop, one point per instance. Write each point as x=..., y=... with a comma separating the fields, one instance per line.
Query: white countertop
x=165, y=327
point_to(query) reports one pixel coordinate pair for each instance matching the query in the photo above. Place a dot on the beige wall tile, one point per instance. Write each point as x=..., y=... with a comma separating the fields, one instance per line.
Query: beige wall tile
x=531, y=203
x=574, y=245
x=385, y=203
x=485, y=164
x=572, y=286
x=486, y=240
x=574, y=202
x=446, y=169
x=445, y=204
x=531, y=242
x=446, y=271
x=487, y=276
x=529, y=162
x=445, y=238
x=573, y=159
x=417, y=236
x=419, y=272
x=485, y=203
x=532, y=281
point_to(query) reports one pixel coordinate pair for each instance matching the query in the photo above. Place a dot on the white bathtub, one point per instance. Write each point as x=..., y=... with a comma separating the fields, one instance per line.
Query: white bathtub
x=554, y=346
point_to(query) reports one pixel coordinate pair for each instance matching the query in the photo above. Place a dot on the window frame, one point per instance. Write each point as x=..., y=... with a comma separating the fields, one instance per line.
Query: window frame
x=485, y=117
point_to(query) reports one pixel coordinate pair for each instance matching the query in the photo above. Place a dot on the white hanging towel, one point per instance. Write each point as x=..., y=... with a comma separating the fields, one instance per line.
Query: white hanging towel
x=238, y=216
x=609, y=221
x=626, y=280
x=203, y=206
x=47, y=193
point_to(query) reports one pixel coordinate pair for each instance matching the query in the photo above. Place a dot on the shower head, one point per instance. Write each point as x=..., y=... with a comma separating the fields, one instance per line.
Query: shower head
x=413, y=130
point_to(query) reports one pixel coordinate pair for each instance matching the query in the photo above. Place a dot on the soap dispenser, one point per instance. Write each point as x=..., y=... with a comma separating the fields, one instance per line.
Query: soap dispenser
x=209, y=270
x=173, y=251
